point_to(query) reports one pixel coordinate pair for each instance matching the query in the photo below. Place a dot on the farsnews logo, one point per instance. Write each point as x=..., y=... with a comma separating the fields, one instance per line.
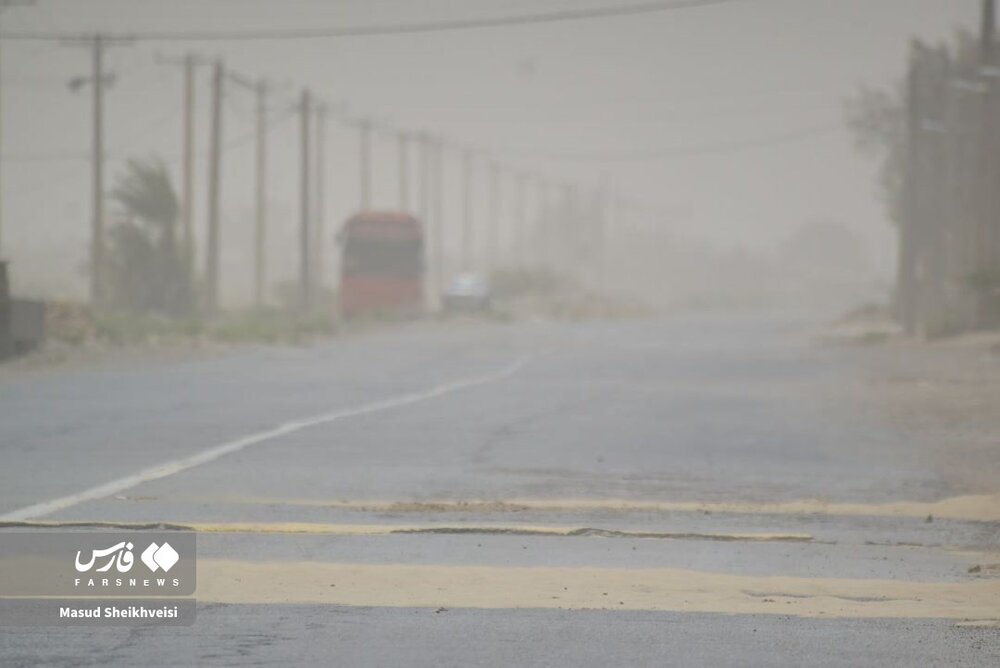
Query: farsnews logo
x=108, y=566
x=160, y=556
x=132, y=562
x=120, y=556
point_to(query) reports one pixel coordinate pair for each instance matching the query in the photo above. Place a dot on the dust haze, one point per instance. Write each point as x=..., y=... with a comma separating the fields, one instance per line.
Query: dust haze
x=499, y=332
x=709, y=153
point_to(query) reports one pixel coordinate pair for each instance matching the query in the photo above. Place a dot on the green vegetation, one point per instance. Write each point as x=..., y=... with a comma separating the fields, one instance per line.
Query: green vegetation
x=77, y=324
x=151, y=296
x=146, y=272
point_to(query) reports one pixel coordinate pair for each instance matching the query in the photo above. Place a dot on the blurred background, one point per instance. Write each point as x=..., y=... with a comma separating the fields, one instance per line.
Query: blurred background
x=675, y=157
x=598, y=332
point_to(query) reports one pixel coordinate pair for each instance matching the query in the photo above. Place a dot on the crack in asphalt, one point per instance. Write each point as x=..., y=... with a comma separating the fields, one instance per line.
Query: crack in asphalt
x=370, y=530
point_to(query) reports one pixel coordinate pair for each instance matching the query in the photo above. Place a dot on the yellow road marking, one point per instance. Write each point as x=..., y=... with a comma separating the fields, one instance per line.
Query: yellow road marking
x=666, y=589
x=390, y=529
x=975, y=507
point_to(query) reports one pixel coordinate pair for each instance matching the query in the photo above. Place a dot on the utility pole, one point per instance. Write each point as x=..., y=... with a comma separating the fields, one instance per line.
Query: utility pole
x=97, y=276
x=438, y=264
x=987, y=31
x=188, y=63
x=404, y=186
x=424, y=198
x=305, y=287
x=214, y=191
x=493, y=236
x=187, y=177
x=260, y=89
x=629, y=240
x=319, y=248
x=260, y=226
x=601, y=233
x=570, y=241
x=365, y=137
x=521, y=223
x=925, y=228
x=542, y=216
x=527, y=229
x=423, y=193
x=4, y=4
x=988, y=257
x=98, y=80
x=467, y=157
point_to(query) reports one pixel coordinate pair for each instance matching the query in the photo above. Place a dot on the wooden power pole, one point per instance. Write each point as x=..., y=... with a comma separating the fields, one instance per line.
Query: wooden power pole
x=467, y=175
x=521, y=224
x=97, y=43
x=97, y=277
x=493, y=234
x=318, y=242
x=404, y=183
x=260, y=222
x=214, y=191
x=424, y=180
x=987, y=258
x=365, y=162
x=305, y=279
x=437, y=215
x=187, y=175
x=189, y=63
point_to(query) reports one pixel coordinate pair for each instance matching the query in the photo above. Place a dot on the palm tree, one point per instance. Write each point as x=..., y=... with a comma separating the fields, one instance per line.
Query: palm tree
x=146, y=270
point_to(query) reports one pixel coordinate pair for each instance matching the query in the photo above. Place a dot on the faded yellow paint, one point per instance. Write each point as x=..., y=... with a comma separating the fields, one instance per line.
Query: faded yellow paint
x=666, y=589
x=389, y=529
x=386, y=529
x=975, y=507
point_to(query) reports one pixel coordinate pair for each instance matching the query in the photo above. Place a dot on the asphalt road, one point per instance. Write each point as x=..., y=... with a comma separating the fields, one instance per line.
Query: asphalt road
x=701, y=490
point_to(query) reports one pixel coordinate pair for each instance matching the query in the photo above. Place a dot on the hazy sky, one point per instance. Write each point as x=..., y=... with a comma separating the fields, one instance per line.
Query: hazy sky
x=713, y=75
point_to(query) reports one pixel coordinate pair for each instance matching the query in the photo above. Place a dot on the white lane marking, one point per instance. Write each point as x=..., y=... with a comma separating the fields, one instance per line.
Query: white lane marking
x=229, y=447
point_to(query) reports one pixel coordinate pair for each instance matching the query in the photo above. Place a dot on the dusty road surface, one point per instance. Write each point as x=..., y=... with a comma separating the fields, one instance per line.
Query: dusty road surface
x=686, y=491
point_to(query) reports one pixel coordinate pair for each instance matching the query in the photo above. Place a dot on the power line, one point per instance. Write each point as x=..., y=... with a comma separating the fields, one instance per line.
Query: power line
x=708, y=148
x=386, y=28
x=119, y=153
x=272, y=123
x=58, y=156
x=126, y=145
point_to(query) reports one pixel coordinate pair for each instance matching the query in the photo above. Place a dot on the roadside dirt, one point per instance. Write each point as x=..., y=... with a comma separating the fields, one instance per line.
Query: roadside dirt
x=946, y=396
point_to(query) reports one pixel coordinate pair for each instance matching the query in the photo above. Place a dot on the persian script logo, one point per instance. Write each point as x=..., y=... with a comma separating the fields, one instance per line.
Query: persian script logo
x=120, y=556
